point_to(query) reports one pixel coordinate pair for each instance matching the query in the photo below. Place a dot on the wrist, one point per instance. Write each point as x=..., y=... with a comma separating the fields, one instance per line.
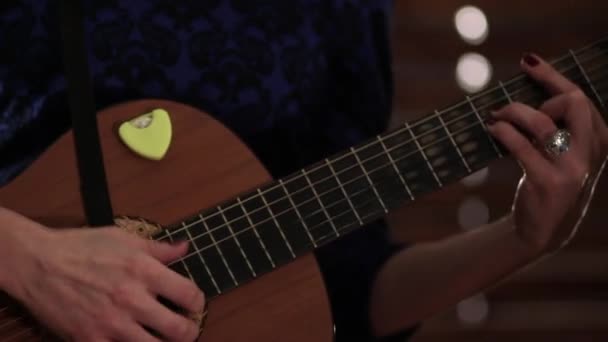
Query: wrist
x=527, y=245
x=18, y=246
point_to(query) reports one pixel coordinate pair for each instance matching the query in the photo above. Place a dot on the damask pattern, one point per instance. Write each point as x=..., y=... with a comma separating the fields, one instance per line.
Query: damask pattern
x=296, y=80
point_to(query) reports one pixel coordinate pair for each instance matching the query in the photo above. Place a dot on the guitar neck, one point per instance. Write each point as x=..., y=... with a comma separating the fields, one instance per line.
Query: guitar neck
x=272, y=225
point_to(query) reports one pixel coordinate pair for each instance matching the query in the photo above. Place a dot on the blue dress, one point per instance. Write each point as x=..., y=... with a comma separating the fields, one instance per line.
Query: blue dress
x=295, y=80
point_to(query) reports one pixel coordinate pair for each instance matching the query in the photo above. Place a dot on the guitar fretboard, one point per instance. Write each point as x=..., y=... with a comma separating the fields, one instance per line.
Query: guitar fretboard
x=271, y=226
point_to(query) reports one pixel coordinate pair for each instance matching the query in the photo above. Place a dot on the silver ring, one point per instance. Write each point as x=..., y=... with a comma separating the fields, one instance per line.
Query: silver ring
x=558, y=143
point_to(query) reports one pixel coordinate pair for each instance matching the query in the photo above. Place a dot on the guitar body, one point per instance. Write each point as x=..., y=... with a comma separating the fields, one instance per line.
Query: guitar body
x=205, y=164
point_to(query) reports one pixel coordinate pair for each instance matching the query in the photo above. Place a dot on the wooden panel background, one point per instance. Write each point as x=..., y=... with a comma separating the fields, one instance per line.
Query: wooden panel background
x=564, y=298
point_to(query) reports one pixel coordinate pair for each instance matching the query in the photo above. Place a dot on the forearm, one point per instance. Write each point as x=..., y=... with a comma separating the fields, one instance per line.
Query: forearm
x=424, y=279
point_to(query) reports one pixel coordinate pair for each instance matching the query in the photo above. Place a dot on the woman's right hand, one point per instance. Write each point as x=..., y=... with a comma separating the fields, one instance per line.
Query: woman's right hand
x=96, y=284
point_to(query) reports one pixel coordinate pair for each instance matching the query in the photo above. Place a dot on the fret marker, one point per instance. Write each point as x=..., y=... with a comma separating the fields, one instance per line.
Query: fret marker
x=168, y=234
x=255, y=231
x=238, y=243
x=407, y=188
x=369, y=180
x=200, y=255
x=293, y=204
x=421, y=150
x=314, y=191
x=217, y=247
x=504, y=90
x=453, y=142
x=276, y=222
x=331, y=168
x=483, y=125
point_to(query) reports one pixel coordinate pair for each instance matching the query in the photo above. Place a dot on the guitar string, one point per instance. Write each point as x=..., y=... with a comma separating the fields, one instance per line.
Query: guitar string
x=455, y=106
x=18, y=334
x=433, y=116
x=320, y=239
x=172, y=233
x=356, y=224
x=383, y=167
x=197, y=251
x=399, y=145
x=372, y=143
x=341, y=228
x=7, y=323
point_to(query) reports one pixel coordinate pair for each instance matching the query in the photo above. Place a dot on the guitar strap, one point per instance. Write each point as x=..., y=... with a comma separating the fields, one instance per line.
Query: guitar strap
x=93, y=186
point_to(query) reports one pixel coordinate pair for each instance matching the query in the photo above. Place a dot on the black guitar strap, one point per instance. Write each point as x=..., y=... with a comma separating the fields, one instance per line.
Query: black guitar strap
x=93, y=186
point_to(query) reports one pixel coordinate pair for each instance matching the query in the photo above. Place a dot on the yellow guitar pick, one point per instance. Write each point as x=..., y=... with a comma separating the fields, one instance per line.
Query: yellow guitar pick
x=148, y=135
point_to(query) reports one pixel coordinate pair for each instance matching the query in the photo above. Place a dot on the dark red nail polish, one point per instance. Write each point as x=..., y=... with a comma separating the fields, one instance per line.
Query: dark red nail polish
x=490, y=121
x=530, y=60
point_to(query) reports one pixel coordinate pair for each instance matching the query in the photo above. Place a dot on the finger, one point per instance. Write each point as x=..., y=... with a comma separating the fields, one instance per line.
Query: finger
x=536, y=124
x=521, y=148
x=176, y=288
x=136, y=332
x=165, y=252
x=545, y=74
x=151, y=313
x=162, y=251
x=574, y=110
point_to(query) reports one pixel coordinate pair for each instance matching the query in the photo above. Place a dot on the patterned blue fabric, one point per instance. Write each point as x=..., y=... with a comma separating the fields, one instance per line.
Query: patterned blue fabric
x=295, y=80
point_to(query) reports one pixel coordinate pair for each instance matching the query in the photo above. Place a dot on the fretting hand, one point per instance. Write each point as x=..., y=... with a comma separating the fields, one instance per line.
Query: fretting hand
x=97, y=284
x=556, y=187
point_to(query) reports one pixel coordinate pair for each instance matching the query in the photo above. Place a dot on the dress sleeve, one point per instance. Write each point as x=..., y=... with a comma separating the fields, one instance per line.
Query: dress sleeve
x=32, y=89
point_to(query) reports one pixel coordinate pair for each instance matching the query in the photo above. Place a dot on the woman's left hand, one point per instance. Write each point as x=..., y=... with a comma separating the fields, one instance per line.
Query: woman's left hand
x=555, y=190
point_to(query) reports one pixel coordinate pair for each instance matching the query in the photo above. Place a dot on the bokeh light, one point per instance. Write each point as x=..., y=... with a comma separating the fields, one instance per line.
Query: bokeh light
x=472, y=24
x=473, y=72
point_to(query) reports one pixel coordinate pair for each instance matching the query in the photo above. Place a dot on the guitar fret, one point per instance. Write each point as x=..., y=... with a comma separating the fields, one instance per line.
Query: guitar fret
x=407, y=188
x=483, y=125
x=504, y=90
x=331, y=168
x=198, y=253
x=276, y=222
x=584, y=73
x=221, y=211
x=314, y=191
x=426, y=159
x=314, y=243
x=369, y=180
x=219, y=250
x=181, y=259
x=447, y=131
x=255, y=231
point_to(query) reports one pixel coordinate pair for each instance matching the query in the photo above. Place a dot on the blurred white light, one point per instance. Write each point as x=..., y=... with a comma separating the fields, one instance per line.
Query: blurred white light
x=476, y=178
x=472, y=24
x=473, y=72
x=473, y=310
x=472, y=213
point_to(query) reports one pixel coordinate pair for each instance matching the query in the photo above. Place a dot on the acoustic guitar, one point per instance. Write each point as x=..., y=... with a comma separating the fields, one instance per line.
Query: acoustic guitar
x=252, y=238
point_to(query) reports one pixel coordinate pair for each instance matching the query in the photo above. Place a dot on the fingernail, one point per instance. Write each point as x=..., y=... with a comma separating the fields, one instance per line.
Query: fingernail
x=530, y=60
x=490, y=121
x=179, y=243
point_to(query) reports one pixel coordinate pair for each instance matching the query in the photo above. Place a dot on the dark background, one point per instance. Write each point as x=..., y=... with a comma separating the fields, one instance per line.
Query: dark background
x=562, y=298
